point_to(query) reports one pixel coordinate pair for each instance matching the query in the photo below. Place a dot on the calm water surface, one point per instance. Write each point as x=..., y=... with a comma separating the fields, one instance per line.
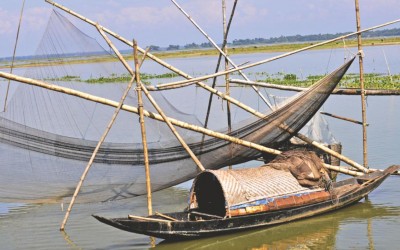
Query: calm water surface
x=370, y=224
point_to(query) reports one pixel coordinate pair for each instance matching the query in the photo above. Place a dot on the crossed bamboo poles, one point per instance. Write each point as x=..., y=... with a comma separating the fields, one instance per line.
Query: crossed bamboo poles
x=191, y=80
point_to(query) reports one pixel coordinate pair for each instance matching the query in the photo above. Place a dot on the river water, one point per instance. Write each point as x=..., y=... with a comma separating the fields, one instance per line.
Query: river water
x=370, y=224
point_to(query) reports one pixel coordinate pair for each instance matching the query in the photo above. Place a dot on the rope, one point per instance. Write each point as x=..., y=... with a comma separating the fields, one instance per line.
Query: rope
x=13, y=59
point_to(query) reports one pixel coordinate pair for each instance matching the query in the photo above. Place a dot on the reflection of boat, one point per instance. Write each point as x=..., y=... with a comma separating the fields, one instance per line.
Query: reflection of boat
x=319, y=232
x=195, y=223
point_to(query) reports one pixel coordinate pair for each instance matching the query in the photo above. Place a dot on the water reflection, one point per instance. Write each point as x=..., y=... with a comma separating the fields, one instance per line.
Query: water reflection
x=372, y=223
x=315, y=233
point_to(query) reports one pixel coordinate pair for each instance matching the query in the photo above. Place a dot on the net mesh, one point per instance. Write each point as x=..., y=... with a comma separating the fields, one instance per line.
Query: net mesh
x=47, y=138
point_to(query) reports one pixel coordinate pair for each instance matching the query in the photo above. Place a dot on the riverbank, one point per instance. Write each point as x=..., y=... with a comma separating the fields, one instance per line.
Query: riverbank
x=267, y=48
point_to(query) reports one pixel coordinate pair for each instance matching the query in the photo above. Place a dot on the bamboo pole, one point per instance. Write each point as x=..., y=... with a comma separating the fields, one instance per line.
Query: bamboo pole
x=343, y=170
x=186, y=125
x=153, y=102
x=218, y=63
x=201, y=78
x=143, y=129
x=135, y=110
x=363, y=103
x=197, y=80
x=122, y=39
x=227, y=84
x=13, y=58
x=103, y=137
x=342, y=118
x=193, y=80
x=145, y=113
x=221, y=52
x=339, y=91
x=165, y=216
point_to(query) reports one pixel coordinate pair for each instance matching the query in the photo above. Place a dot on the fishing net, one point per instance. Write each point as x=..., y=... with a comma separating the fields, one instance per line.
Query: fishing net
x=47, y=138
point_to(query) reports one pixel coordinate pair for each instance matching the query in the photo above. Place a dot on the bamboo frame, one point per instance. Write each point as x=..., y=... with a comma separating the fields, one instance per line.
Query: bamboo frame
x=201, y=78
x=153, y=102
x=88, y=166
x=219, y=62
x=151, y=115
x=221, y=52
x=197, y=80
x=146, y=113
x=302, y=137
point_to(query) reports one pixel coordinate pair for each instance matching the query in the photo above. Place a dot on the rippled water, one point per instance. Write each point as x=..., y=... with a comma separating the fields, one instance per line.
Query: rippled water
x=370, y=224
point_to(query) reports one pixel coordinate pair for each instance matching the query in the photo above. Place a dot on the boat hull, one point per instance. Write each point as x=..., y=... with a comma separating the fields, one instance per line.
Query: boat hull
x=186, y=229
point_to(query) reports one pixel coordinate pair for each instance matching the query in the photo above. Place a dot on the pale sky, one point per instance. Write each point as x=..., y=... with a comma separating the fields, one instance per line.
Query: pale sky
x=159, y=22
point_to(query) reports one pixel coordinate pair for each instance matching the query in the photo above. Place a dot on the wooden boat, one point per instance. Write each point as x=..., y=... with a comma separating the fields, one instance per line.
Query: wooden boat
x=202, y=222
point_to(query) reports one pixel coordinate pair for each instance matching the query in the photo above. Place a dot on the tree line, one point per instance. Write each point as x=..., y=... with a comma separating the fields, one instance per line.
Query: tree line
x=280, y=39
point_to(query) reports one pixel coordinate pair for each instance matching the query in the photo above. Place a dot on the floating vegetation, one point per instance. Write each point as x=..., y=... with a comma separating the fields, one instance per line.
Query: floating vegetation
x=371, y=80
x=350, y=80
x=114, y=78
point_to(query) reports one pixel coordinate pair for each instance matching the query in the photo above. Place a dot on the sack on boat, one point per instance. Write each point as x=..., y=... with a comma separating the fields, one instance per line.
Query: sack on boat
x=305, y=166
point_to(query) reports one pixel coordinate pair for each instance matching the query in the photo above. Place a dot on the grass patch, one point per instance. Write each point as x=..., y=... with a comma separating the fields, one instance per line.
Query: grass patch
x=114, y=78
x=371, y=81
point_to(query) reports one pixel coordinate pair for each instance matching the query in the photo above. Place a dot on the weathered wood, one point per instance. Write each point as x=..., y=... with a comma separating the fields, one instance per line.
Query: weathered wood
x=343, y=170
x=135, y=217
x=342, y=118
x=206, y=215
x=143, y=130
x=165, y=216
x=363, y=102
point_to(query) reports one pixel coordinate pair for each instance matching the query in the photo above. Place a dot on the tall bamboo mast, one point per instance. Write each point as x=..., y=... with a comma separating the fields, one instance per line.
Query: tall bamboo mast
x=143, y=129
x=151, y=99
x=362, y=87
x=218, y=64
x=221, y=52
x=89, y=165
x=227, y=83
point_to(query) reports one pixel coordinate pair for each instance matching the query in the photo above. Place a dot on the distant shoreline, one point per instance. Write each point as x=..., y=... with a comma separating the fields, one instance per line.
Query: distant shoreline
x=249, y=49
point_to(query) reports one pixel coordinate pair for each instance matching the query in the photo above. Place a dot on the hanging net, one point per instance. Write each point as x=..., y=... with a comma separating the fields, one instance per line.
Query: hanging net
x=47, y=138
